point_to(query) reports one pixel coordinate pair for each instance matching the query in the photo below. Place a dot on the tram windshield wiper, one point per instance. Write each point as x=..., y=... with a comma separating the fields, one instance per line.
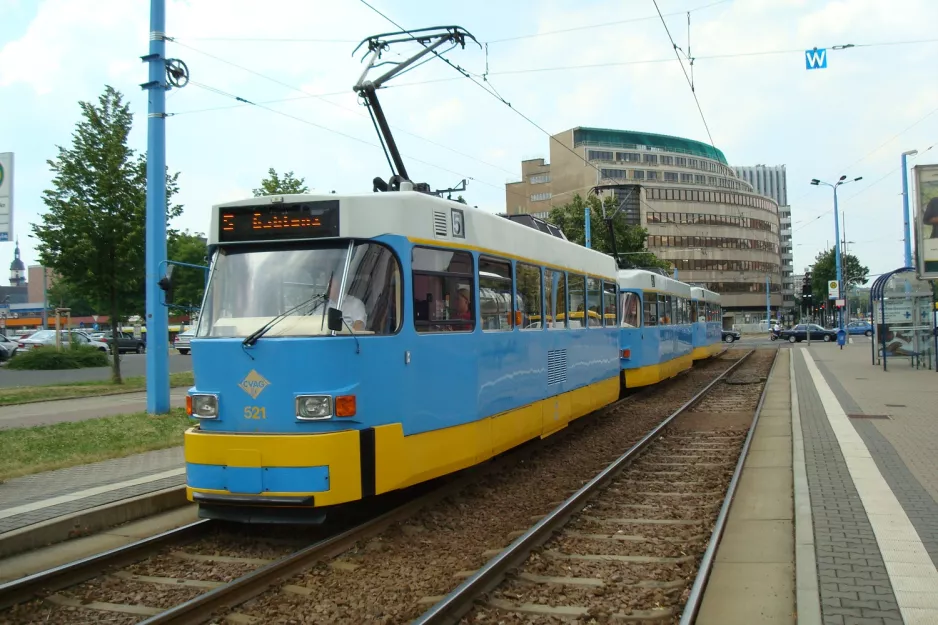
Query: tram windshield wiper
x=251, y=338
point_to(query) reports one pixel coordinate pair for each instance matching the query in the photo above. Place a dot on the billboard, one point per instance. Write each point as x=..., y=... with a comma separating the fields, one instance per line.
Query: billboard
x=926, y=219
x=6, y=196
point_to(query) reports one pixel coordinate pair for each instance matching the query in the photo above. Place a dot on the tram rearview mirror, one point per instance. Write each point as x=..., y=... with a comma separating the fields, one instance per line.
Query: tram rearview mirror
x=335, y=319
x=166, y=283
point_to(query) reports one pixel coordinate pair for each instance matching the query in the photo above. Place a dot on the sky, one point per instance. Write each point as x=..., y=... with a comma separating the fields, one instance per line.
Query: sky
x=293, y=60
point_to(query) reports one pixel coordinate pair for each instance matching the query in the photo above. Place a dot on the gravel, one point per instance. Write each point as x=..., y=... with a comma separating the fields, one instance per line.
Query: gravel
x=421, y=558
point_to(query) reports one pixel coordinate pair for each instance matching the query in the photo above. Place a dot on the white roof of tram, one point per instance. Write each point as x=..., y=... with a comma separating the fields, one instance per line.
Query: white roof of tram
x=701, y=294
x=429, y=220
x=641, y=279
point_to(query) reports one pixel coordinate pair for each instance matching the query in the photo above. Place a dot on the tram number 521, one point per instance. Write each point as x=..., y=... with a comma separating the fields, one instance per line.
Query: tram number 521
x=255, y=412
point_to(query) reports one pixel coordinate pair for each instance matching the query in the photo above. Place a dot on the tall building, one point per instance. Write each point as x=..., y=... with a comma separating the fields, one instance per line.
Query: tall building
x=700, y=216
x=772, y=181
x=17, y=268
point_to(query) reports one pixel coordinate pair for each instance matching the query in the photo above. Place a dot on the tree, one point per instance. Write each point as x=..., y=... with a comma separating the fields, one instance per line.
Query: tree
x=630, y=239
x=825, y=269
x=93, y=235
x=273, y=184
x=61, y=294
x=188, y=283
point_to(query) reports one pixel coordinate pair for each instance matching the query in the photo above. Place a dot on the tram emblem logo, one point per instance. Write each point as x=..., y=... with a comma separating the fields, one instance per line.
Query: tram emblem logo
x=254, y=384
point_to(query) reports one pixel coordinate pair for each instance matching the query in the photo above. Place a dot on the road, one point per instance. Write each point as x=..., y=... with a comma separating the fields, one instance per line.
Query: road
x=759, y=339
x=49, y=412
x=132, y=365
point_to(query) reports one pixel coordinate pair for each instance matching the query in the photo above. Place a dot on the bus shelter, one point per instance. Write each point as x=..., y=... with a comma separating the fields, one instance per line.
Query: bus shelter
x=903, y=320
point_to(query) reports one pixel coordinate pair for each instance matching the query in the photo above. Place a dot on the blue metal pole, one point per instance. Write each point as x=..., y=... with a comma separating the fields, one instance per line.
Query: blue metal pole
x=840, y=275
x=157, y=320
x=905, y=212
x=586, y=224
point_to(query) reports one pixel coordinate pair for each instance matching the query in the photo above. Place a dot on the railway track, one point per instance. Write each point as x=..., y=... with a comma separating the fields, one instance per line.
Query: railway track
x=372, y=569
x=636, y=543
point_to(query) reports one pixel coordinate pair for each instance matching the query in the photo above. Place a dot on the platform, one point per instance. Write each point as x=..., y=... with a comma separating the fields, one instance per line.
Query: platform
x=861, y=493
x=33, y=499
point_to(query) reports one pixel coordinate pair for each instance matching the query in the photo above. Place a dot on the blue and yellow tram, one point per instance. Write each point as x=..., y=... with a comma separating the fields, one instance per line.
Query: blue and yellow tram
x=354, y=345
x=655, y=337
x=707, y=322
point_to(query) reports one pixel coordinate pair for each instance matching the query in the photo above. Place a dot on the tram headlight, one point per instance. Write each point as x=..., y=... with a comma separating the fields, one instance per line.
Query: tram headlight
x=204, y=406
x=313, y=407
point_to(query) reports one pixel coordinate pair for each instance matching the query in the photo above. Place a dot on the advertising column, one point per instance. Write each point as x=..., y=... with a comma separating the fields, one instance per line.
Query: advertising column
x=6, y=196
x=926, y=219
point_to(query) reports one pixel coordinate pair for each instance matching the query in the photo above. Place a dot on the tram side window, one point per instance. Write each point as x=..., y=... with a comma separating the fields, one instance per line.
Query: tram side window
x=555, y=298
x=693, y=311
x=684, y=312
x=651, y=309
x=610, y=318
x=577, y=287
x=630, y=305
x=495, y=307
x=529, y=294
x=443, y=290
x=664, y=309
x=594, y=301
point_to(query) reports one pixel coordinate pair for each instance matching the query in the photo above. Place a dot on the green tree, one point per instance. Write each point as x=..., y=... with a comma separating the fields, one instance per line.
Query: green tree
x=61, y=294
x=825, y=269
x=273, y=184
x=630, y=239
x=93, y=233
x=188, y=283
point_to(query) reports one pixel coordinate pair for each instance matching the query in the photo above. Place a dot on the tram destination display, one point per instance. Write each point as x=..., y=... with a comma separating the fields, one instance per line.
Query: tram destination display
x=302, y=220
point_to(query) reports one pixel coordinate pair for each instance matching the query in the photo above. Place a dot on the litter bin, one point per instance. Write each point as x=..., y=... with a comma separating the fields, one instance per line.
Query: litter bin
x=841, y=337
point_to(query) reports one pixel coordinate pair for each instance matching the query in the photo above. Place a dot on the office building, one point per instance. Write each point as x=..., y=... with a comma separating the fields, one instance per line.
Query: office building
x=711, y=225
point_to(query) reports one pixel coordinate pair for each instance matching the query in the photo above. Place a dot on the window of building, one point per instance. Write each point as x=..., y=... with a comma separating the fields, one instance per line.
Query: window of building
x=651, y=175
x=599, y=155
x=613, y=173
x=610, y=316
x=650, y=158
x=667, y=160
x=700, y=179
x=540, y=178
x=638, y=174
x=528, y=301
x=630, y=305
x=540, y=197
x=628, y=157
x=680, y=161
x=555, y=298
x=495, y=309
x=670, y=176
x=693, y=163
x=443, y=288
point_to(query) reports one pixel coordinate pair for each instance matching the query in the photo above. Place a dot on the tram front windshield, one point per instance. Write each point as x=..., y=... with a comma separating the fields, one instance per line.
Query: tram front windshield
x=250, y=285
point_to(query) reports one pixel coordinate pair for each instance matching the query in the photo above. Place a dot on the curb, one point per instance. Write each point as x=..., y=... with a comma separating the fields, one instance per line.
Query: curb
x=90, y=521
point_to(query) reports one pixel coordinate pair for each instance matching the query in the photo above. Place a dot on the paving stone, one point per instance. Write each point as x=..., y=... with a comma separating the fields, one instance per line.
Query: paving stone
x=842, y=530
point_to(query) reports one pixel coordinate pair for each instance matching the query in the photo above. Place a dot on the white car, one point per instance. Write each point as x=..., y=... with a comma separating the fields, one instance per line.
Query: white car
x=47, y=338
x=181, y=344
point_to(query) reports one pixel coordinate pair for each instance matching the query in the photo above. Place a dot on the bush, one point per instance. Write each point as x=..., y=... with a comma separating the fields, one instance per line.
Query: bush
x=46, y=358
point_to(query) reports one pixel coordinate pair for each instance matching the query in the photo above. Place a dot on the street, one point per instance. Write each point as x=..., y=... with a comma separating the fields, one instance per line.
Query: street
x=763, y=339
x=132, y=365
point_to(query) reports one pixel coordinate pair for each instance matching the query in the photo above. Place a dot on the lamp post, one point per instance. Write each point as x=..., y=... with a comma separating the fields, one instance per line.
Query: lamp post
x=905, y=207
x=843, y=180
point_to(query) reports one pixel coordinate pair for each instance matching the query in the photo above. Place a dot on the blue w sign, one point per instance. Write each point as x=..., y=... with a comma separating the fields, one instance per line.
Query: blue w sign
x=816, y=58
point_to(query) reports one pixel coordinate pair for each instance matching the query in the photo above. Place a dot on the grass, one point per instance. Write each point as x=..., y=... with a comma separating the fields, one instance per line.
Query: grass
x=29, y=394
x=30, y=450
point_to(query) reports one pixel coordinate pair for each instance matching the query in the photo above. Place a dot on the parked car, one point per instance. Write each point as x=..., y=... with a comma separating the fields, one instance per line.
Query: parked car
x=125, y=341
x=800, y=333
x=731, y=335
x=8, y=348
x=181, y=344
x=47, y=338
x=860, y=327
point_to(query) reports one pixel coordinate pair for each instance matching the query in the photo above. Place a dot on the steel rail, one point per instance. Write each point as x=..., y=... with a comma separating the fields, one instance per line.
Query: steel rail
x=21, y=590
x=451, y=608
x=695, y=597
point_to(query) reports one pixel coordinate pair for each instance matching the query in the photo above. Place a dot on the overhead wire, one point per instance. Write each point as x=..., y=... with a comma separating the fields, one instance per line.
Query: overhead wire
x=322, y=97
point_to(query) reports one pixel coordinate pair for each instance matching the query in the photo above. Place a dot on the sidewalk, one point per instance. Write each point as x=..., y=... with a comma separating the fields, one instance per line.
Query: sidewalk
x=43, y=496
x=60, y=410
x=870, y=443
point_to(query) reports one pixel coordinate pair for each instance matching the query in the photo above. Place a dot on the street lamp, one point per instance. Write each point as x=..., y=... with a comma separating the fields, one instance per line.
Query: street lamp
x=841, y=181
x=905, y=207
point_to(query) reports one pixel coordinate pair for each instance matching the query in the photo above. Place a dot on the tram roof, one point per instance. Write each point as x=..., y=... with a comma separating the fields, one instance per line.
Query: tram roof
x=700, y=293
x=429, y=220
x=651, y=281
